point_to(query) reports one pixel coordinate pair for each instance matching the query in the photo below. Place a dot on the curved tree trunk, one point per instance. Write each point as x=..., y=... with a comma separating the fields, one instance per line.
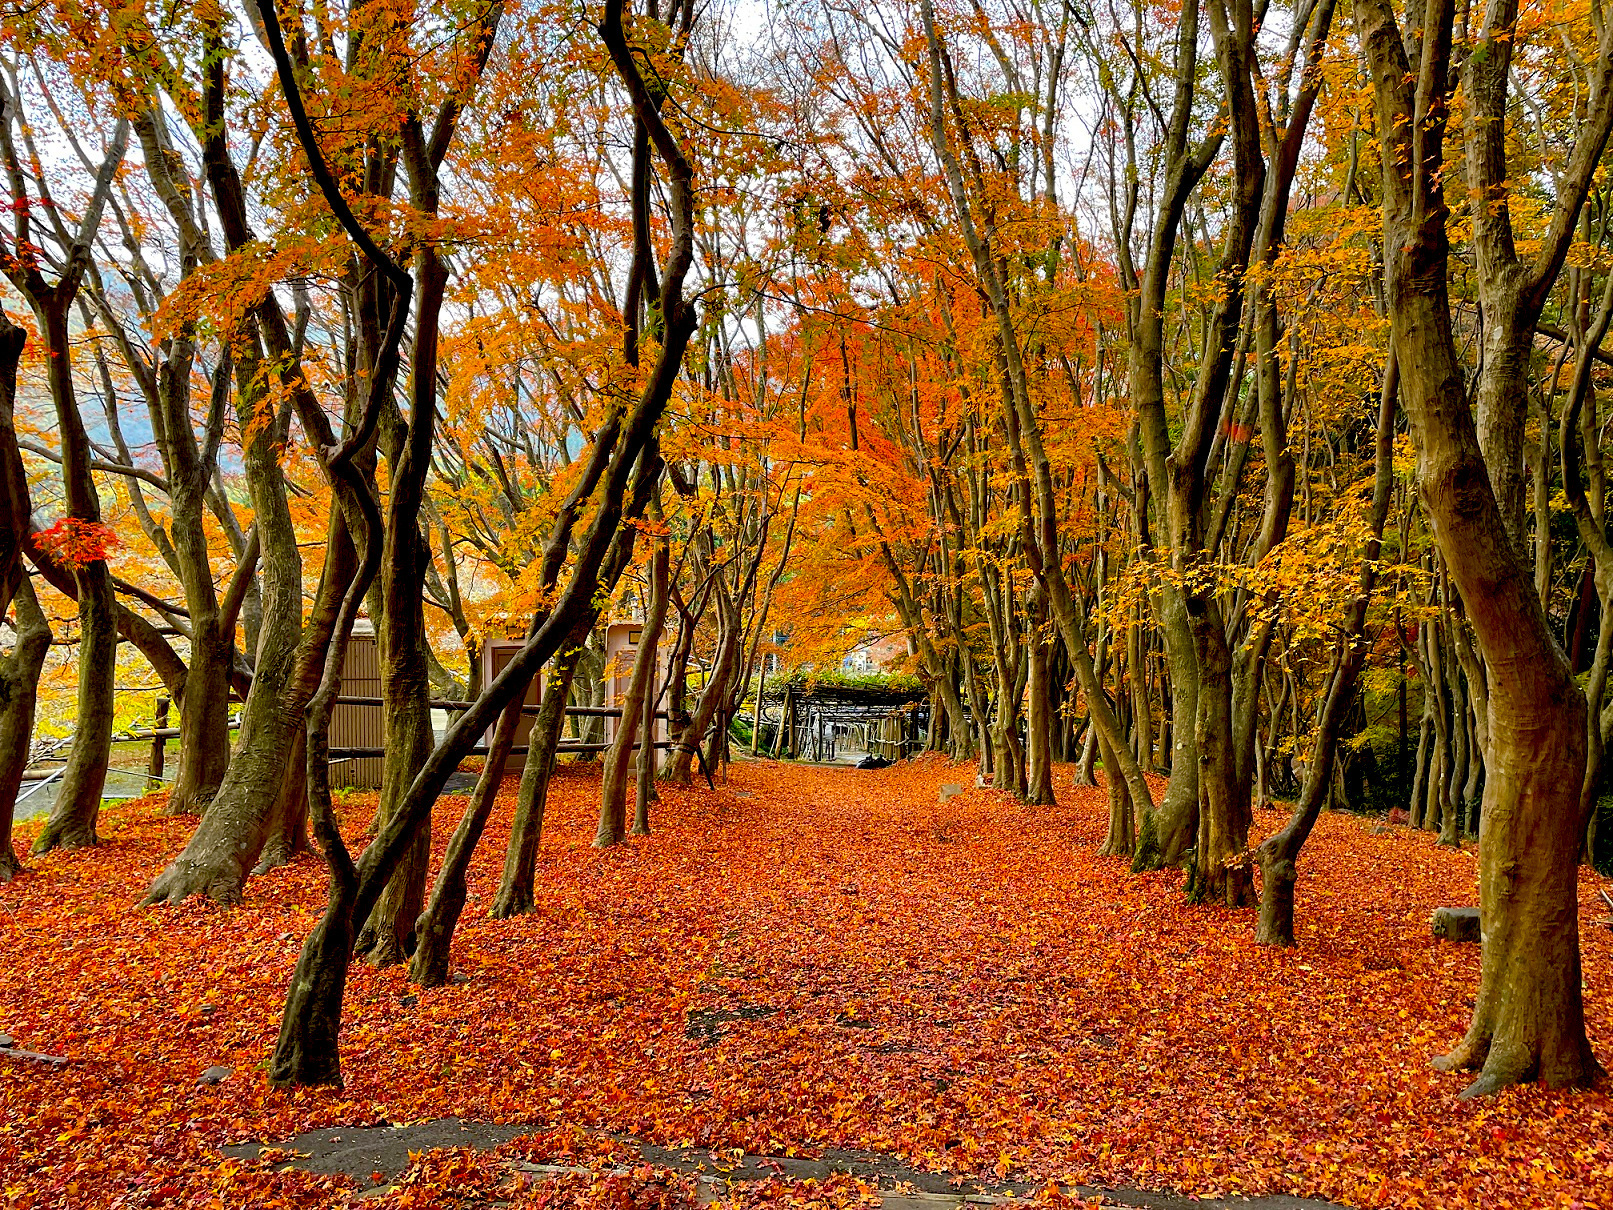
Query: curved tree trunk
x=1528, y=1020
x=1087, y=762
x=1121, y=839
x=204, y=720
x=679, y=766
x=230, y=838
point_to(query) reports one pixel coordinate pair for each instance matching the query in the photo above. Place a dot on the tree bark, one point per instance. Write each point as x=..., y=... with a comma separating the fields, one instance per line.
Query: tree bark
x=434, y=931
x=78, y=801
x=19, y=687
x=1528, y=1020
x=287, y=834
x=679, y=766
x=516, y=889
x=613, y=783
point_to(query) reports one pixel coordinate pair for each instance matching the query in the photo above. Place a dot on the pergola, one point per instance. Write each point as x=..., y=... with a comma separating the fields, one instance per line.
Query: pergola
x=816, y=720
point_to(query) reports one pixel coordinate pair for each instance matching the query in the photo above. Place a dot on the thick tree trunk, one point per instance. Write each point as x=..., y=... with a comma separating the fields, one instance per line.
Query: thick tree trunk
x=287, y=834
x=1528, y=1020
x=78, y=802
x=1220, y=869
x=290, y=658
x=19, y=686
x=204, y=721
x=1008, y=754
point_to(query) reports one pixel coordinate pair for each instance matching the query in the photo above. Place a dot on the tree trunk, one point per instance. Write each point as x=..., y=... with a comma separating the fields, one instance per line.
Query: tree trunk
x=613, y=784
x=515, y=892
x=19, y=672
x=287, y=833
x=1220, y=869
x=204, y=709
x=645, y=793
x=78, y=800
x=1085, y=766
x=204, y=719
x=679, y=766
x=230, y=838
x=19, y=686
x=1040, y=717
x=1165, y=835
x=434, y=930
x=1528, y=1021
x=307, y=1050
x=1122, y=836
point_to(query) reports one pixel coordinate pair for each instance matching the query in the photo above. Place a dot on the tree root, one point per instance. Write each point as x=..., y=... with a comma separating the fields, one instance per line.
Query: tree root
x=219, y=881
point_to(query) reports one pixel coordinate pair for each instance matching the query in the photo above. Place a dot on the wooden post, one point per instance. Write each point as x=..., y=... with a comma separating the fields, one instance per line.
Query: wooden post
x=159, y=745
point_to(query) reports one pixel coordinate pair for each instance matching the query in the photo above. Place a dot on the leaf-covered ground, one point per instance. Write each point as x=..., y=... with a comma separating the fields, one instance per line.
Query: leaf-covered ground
x=805, y=958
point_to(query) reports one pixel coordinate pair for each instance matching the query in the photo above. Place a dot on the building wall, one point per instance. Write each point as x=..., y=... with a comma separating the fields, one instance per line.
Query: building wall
x=496, y=654
x=359, y=726
x=621, y=649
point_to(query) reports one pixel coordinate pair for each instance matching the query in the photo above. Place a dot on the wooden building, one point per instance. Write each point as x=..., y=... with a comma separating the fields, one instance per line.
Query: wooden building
x=359, y=726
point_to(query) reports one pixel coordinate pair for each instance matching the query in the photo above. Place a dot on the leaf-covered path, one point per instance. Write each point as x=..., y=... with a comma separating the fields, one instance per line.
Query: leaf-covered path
x=807, y=958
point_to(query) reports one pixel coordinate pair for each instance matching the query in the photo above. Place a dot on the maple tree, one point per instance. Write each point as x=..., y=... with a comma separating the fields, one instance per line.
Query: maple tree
x=1200, y=403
